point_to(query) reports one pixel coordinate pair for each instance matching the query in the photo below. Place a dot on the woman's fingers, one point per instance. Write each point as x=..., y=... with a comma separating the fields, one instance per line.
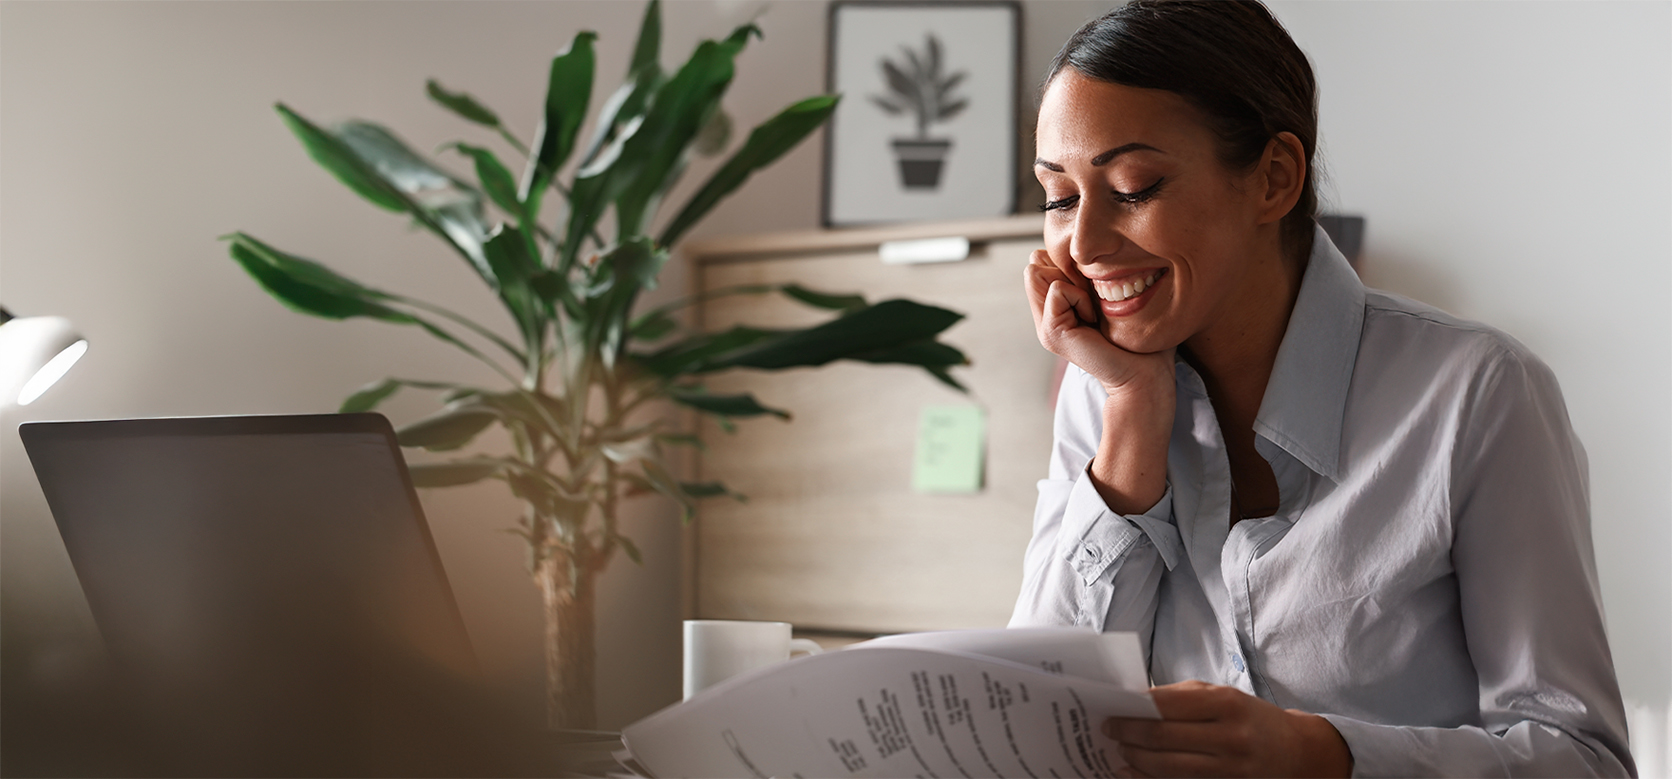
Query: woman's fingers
x=1209, y=730
x=1039, y=276
x=1168, y=735
x=1196, y=700
x=1145, y=762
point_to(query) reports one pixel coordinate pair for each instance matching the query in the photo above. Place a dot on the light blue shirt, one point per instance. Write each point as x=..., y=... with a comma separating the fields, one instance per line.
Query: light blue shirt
x=1427, y=583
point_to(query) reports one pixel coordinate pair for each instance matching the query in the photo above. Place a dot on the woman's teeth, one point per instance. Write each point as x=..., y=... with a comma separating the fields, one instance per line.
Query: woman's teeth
x=1116, y=291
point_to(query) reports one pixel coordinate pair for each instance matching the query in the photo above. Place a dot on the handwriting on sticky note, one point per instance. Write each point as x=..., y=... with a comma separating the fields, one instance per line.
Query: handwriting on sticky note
x=951, y=449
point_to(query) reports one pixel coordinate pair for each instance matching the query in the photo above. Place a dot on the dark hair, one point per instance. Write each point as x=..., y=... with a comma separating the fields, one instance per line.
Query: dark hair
x=1231, y=59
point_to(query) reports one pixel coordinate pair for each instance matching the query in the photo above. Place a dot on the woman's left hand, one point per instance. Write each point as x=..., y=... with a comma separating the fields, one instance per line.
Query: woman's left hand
x=1208, y=730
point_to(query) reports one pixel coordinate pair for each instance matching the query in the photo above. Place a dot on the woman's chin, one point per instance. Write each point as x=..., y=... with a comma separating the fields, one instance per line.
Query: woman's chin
x=1131, y=340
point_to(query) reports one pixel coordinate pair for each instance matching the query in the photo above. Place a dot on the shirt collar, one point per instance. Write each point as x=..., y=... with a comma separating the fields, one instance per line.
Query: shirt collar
x=1307, y=395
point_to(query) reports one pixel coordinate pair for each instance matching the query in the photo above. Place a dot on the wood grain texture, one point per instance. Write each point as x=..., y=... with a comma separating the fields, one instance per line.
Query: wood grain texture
x=832, y=535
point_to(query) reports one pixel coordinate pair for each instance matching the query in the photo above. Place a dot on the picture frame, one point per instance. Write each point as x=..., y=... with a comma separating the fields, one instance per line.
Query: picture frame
x=926, y=130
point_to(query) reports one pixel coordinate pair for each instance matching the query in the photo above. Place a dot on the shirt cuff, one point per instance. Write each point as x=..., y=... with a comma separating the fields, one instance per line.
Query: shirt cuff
x=1380, y=750
x=1097, y=537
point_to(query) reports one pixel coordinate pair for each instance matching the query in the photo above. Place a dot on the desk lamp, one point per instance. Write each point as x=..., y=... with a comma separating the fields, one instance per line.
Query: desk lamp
x=34, y=353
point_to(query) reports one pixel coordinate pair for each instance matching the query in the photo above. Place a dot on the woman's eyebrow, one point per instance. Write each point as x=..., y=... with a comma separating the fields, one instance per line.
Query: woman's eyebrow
x=1101, y=159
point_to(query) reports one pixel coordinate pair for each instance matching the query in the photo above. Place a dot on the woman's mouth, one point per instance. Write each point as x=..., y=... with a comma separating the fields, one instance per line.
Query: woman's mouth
x=1125, y=290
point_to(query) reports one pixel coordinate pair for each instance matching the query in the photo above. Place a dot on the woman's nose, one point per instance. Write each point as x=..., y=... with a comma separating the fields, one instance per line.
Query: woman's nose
x=1094, y=233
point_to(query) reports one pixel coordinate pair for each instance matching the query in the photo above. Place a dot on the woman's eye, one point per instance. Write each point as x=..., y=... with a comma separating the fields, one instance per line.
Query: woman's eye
x=1140, y=196
x=1059, y=203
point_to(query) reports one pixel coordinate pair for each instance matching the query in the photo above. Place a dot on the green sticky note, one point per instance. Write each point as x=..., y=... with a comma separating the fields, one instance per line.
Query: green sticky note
x=951, y=445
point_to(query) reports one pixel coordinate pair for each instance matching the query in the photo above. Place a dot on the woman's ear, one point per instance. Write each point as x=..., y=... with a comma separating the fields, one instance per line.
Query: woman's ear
x=1282, y=176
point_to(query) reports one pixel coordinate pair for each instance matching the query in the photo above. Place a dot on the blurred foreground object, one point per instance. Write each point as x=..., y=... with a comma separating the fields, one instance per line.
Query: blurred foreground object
x=35, y=352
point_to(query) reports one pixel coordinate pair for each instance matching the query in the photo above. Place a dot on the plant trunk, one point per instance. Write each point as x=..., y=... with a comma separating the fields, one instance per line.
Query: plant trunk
x=566, y=585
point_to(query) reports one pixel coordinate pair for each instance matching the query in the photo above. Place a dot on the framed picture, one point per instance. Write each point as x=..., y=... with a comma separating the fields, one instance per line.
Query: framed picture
x=926, y=129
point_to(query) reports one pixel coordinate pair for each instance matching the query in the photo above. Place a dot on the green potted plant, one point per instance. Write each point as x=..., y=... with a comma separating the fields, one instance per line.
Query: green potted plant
x=586, y=370
x=917, y=86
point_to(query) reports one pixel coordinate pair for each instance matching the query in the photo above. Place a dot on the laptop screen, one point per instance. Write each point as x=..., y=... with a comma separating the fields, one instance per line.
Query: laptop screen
x=267, y=586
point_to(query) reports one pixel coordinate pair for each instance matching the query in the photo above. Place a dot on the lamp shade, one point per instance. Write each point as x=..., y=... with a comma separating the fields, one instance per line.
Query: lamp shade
x=35, y=352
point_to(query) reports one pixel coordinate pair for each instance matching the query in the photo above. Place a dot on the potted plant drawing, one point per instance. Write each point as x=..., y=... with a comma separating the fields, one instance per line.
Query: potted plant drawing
x=588, y=376
x=916, y=86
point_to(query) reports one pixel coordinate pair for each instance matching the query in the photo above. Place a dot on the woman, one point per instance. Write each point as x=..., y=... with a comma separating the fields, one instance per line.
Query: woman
x=1351, y=530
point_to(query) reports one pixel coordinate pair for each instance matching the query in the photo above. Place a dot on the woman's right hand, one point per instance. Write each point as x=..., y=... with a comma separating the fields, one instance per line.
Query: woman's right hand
x=1065, y=319
x=1131, y=463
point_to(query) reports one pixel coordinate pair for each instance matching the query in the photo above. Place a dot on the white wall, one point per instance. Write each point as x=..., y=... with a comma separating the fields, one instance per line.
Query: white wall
x=1512, y=159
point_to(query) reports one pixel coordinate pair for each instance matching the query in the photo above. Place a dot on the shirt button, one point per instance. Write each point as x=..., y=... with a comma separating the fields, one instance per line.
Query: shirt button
x=1236, y=660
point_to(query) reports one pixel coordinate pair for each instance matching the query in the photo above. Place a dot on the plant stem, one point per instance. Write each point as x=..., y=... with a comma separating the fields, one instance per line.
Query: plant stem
x=565, y=581
x=512, y=139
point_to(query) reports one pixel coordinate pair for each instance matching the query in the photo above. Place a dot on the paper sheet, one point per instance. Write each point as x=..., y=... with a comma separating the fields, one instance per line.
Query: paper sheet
x=895, y=710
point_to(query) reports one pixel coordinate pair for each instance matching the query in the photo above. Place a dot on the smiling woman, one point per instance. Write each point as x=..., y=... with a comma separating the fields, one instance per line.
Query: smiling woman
x=1339, y=519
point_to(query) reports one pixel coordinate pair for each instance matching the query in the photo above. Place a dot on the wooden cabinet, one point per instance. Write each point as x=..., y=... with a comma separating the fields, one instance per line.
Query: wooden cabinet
x=832, y=536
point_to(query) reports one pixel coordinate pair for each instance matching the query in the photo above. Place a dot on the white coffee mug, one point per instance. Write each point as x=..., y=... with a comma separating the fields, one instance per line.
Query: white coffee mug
x=718, y=649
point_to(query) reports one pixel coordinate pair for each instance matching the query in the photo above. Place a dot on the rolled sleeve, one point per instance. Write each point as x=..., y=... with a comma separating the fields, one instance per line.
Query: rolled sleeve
x=1091, y=567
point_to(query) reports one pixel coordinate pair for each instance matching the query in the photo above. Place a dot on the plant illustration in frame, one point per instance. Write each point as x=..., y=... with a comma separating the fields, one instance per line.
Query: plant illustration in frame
x=917, y=87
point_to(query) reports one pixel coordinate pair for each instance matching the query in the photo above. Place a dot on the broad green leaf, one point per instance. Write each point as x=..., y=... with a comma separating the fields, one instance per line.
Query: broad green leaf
x=453, y=474
x=311, y=288
x=553, y=287
x=925, y=353
x=449, y=429
x=341, y=162
x=771, y=140
x=696, y=352
x=743, y=405
x=537, y=411
x=711, y=489
x=636, y=485
x=714, y=135
x=496, y=180
x=629, y=451
x=665, y=483
x=508, y=260
x=637, y=262
x=824, y=300
x=888, y=324
x=946, y=378
x=683, y=439
x=444, y=204
x=534, y=488
x=367, y=397
x=462, y=104
x=619, y=276
x=631, y=550
x=308, y=287
x=375, y=164
x=657, y=151
x=623, y=106
x=648, y=49
x=813, y=298
x=654, y=327
x=568, y=90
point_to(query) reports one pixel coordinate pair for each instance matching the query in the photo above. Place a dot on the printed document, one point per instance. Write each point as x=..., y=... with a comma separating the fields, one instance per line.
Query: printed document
x=980, y=703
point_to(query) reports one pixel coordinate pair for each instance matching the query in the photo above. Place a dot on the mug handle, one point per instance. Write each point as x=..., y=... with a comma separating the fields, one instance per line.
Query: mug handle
x=806, y=645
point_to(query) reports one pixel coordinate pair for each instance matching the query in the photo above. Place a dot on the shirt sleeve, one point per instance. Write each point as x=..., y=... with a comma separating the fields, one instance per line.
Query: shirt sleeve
x=1086, y=565
x=1530, y=603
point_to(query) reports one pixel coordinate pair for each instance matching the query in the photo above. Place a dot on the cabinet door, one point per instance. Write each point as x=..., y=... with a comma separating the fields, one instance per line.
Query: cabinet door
x=832, y=535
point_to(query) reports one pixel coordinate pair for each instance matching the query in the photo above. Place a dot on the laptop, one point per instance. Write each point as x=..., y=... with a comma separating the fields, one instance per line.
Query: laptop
x=270, y=595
